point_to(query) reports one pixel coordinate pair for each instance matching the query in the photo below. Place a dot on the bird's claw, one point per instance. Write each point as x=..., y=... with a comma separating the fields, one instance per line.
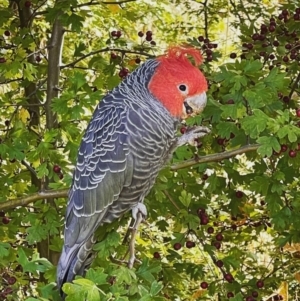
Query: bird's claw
x=191, y=136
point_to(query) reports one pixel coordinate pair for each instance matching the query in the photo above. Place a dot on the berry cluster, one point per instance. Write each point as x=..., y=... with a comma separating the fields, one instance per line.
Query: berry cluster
x=148, y=36
x=207, y=47
x=276, y=42
x=6, y=289
x=58, y=171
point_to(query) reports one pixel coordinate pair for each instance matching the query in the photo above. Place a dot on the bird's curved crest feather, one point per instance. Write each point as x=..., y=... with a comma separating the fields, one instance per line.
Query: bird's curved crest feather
x=180, y=53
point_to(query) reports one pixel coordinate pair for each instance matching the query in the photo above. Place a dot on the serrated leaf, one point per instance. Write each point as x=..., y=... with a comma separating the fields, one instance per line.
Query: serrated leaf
x=156, y=287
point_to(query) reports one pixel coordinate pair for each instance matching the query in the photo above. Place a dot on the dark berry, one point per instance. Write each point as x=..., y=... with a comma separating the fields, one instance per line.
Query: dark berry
x=177, y=246
x=61, y=175
x=5, y=220
x=118, y=34
x=153, y=43
x=7, y=33
x=123, y=72
x=219, y=237
x=149, y=33
x=217, y=245
x=221, y=141
x=206, y=41
x=205, y=177
x=254, y=294
x=190, y=244
x=210, y=230
x=219, y=263
x=148, y=38
x=156, y=255
x=140, y=34
x=113, y=33
x=200, y=38
x=11, y=280
x=239, y=194
x=38, y=58
x=204, y=285
x=276, y=43
x=2, y=60
x=7, y=122
x=56, y=169
x=230, y=294
x=260, y=284
x=292, y=153
x=113, y=56
x=183, y=129
x=137, y=60
x=228, y=277
x=230, y=101
x=27, y=3
x=286, y=99
x=232, y=55
x=249, y=298
x=298, y=112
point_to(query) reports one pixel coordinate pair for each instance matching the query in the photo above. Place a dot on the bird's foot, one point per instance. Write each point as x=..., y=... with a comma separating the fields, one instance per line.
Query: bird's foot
x=191, y=135
x=139, y=213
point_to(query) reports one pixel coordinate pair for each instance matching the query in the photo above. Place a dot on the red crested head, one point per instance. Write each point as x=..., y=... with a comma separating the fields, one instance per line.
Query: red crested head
x=178, y=84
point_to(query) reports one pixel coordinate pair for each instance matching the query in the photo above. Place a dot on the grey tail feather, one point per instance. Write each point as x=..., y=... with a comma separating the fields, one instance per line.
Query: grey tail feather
x=74, y=261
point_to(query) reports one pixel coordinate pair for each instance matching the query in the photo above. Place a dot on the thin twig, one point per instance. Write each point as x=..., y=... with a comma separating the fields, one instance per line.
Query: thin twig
x=166, y=193
x=104, y=50
x=215, y=157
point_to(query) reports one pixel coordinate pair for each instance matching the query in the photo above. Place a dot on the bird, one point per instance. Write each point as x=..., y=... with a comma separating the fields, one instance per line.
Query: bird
x=130, y=138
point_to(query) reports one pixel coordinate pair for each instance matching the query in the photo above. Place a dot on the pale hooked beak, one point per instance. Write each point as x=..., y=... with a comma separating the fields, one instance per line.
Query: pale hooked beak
x=194, y=105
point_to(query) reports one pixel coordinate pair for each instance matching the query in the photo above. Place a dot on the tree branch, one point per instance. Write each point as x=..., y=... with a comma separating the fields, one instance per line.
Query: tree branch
x=215, y=157
x=104, y=50
x=23, y=201
x=63, y=193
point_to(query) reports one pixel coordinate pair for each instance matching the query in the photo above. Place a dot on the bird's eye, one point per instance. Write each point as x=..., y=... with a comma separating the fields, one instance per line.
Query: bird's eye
x=182, y=88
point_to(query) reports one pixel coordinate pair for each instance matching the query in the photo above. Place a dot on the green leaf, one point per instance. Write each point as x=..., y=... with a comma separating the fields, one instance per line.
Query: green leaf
x=268, y=144
x=4, y=249
x=156, y=287
x=255, y=124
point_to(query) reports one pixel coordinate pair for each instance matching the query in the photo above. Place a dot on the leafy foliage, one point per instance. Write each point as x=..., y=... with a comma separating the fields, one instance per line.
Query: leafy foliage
x=223, y=218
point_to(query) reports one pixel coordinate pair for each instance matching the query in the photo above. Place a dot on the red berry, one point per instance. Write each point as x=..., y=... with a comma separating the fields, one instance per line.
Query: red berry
x=204, y=285
x=298, y=112
x=255, y=294
x=38, y=58
x=230, y=294
x=2, y=60
x=272, y=28
x=210, y=230
x=114, y=33
x=230, y=101
x=56, y=169
x=5, y=220
x=221, y=141
x=219, y=263
x=232, y=55
x=140, y=34
x=11, y=280
x=204, y=220
x=249, y=298
x=286, y=99
x=219, y=237
x=283, y=148
x=205, y=177
x=228, y=277
x=276, y=43
x=190, y=244
x=113, y=56
x=183, y=129
x=149, y=33
x=292, y=153
x=239, y=194
x=177, y=246
x=217, y=245
x=8, y=290
x=123, y=72
x=7, y=33
x=260, y=284
x=285, y=59
x=61, y=175
x=156, y=255
x=148, y=38
x=118, y=34
x=27, y=3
